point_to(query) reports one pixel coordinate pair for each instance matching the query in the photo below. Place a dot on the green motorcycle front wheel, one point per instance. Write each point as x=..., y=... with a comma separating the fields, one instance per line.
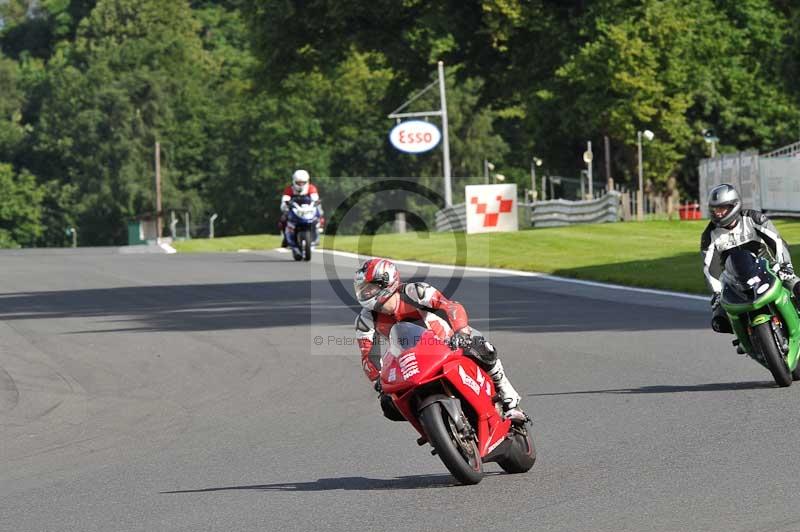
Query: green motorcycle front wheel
x=765, y=340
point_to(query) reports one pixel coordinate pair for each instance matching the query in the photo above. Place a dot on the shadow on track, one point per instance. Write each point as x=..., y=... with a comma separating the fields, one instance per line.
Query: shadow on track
x=346, y=483
x=710, y=387
x=495, y=306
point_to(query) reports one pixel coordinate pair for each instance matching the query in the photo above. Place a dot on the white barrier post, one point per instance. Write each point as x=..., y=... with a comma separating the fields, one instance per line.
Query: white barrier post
x=211, y=225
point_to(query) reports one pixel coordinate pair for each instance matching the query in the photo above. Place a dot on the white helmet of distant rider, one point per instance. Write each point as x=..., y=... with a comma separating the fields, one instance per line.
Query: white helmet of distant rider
x=375, y=282
x=300, y=181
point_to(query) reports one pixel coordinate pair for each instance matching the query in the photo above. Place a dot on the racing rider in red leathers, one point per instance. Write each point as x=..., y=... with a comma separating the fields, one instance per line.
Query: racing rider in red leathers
x=301, y=186
x=386, y=301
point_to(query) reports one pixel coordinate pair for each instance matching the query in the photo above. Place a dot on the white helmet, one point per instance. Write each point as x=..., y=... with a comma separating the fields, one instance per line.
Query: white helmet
x=300, y=181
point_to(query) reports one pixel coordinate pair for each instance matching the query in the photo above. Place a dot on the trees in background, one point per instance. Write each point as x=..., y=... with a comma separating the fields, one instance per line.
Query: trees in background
x=241, y=92
x=20, y=210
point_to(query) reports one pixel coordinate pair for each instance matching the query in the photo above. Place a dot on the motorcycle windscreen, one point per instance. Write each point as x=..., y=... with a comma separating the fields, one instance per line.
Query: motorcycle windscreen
x=745, y=278
x=413, y=353
x=403, y=336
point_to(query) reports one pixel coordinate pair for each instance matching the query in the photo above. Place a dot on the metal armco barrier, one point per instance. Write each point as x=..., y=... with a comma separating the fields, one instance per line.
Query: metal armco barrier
x=452, y=219
x=552, y=213
x=556, y=213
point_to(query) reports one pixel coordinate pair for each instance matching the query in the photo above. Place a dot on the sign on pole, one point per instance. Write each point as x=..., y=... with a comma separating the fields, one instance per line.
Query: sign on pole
x=396, y=114
x=415, y=136
x=491, y=208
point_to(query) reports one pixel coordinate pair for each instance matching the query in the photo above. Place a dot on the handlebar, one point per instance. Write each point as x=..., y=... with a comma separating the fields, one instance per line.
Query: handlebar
x=314, y=203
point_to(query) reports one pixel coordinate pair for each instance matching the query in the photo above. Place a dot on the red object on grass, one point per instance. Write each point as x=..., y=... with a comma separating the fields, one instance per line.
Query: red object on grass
x=690, y=211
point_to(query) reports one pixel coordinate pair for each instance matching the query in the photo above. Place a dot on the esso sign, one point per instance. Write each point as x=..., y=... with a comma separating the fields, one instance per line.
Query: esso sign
x=415, y=136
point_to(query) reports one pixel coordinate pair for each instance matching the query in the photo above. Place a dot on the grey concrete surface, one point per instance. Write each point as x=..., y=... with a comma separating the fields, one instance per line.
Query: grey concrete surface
x=187, y=393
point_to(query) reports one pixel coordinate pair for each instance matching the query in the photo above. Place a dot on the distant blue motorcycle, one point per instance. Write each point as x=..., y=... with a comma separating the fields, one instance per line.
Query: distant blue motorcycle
x=301, y=226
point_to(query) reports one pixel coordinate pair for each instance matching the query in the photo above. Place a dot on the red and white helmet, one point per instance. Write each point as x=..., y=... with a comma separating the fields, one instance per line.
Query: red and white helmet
x=300, y=181
x=375, y=282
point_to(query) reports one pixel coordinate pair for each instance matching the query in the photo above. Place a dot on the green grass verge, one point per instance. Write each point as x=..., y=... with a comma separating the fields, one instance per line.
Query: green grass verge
x=231, y=243
x=662, y=255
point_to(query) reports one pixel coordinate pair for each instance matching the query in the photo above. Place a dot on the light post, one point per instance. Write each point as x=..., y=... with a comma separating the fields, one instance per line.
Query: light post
x=534, y=163
x=74, y=233
x=711, y=138
x=609, y=180
x=173, y=225
x=486, y=167
x=584, y=175
x=588, y=156
x=649, y=135
x=553, y=181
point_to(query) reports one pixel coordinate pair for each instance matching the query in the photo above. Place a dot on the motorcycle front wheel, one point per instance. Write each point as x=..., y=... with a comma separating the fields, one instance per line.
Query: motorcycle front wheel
x=521, y=455
x=765, y=340
x=458, y=452
x=305, y=244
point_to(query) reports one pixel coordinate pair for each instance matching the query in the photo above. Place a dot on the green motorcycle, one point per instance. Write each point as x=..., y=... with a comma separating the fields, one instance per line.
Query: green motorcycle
x=762, y=314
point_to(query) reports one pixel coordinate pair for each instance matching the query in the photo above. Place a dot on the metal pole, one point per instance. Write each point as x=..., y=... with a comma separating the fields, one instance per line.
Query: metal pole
x=533, y=179
x=211, y=225
x=584, y=173
x=400, y=222
x=186, y=220
x=448, y=193
x=589, y=169
x=640, y=192
x=486, y=171
x=609, y=181
x=173, y=224
x=158, y=191
x=544, y=188
x=713, y=149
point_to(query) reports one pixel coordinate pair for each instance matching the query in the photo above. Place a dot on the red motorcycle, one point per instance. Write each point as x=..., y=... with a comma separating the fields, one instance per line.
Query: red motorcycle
x=451, y=402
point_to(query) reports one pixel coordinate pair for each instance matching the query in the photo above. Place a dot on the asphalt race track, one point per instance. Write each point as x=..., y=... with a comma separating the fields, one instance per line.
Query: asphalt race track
x=188, y=393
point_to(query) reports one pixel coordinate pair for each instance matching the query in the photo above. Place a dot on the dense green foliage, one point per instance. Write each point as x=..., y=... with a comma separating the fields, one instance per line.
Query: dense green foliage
x=241, y=92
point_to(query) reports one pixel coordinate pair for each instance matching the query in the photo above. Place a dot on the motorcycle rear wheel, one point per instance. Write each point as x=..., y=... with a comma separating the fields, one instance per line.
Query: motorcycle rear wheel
x=459, y=455
x=772, y=355
x=521, y=455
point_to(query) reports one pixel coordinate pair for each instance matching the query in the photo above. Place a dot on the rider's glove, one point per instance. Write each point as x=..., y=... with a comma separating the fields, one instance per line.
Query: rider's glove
x=284, y=207
x=785, y=272
x=715, y=300
x=459, y=339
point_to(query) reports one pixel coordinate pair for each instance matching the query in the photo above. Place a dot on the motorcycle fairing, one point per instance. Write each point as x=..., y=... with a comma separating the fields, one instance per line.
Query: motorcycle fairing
x=433, y=361
x=416, y=365
x=779, y=298
x=492, y=428
x=296, y=222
